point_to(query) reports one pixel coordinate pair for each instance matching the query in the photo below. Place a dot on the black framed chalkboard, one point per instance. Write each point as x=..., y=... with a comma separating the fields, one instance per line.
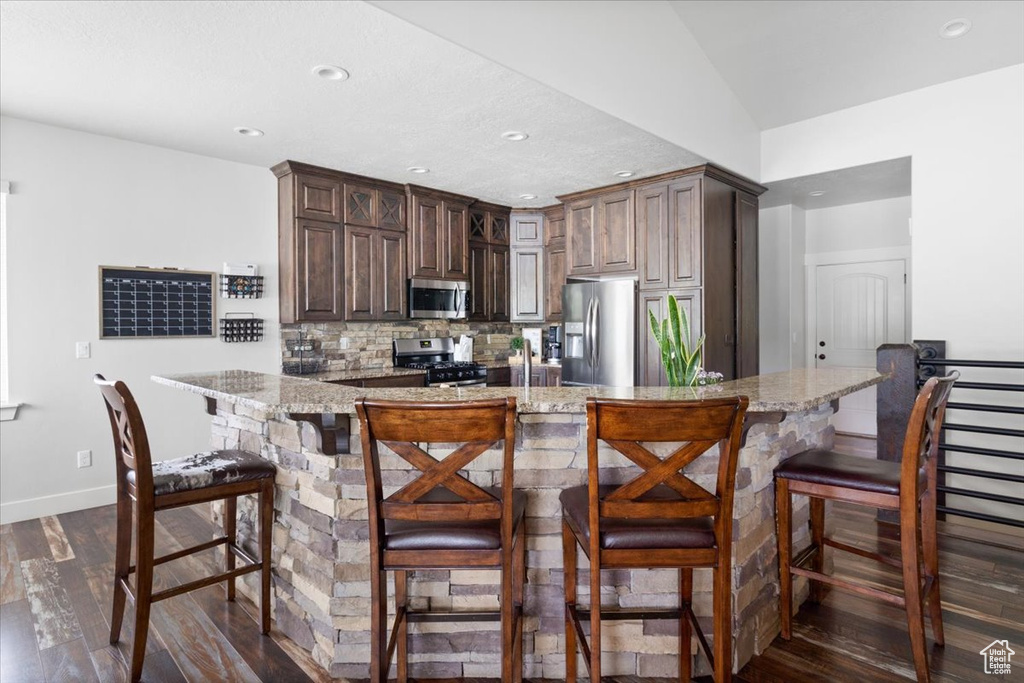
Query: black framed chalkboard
x=154, y=302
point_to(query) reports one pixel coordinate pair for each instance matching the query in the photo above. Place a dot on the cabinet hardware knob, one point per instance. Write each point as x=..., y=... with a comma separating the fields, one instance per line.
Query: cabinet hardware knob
x=821, y=356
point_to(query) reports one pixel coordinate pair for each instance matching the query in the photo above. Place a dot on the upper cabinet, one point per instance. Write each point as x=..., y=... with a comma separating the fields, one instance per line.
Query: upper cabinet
x=374, y=207
x=527, y=282
x=317, y=197
x=669, y=228
x=601, y=233
x=438, y=234
x=581, y=236
x=616, y=230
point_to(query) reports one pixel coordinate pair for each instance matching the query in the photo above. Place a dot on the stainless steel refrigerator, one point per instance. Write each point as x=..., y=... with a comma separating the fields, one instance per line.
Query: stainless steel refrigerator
x=600, y=333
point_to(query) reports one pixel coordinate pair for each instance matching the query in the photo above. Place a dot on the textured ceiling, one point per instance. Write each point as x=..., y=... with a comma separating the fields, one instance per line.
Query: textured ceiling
x=790, y=61
x=184, y=74
x=882, y=180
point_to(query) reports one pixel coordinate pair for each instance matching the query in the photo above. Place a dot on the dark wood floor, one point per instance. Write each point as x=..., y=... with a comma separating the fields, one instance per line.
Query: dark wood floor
x=55, y=578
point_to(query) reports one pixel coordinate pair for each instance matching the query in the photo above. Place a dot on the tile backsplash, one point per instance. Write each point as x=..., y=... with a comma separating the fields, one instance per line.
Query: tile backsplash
x=357, y=345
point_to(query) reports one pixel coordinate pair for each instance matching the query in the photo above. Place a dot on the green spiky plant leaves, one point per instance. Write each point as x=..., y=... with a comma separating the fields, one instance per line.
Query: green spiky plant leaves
x=673, y=334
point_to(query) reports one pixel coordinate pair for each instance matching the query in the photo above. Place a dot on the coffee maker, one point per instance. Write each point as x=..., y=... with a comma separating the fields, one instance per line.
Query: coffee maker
x=553, y=345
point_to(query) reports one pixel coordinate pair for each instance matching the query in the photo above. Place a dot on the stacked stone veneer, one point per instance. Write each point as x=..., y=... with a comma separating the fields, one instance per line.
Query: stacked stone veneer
x=368, y=345
x=321, y=552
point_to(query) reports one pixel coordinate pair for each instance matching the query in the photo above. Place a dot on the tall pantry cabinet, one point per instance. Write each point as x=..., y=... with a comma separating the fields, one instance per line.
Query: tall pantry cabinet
x=690, y=234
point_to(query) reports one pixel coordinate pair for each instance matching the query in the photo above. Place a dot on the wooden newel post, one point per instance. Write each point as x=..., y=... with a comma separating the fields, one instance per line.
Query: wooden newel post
x=895, y=402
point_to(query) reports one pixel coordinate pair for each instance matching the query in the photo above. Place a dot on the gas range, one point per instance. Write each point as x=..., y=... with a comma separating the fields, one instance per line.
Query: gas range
x=436, y=356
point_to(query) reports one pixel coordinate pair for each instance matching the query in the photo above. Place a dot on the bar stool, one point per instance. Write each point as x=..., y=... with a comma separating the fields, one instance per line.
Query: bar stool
x=441, y=520
x=146, y=487
x=658, y=519
x=908, y=487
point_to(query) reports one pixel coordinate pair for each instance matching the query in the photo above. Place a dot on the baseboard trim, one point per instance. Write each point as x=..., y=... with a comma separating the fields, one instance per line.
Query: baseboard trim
x=32, y=508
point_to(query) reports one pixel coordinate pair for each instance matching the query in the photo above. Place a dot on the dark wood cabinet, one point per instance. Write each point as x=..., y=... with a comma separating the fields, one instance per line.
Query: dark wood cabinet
x=528, y=292
x=555, y=260
x=359, y=275
x=498, y=256
x=317, y=197
x=374, y=207
x=499, y=377
x=456, y=241
x=479, y=281
x=426, y=239
x=616, y=228
x=652, y=235
x=374, y=274
x=541, y=375
x=650, y=370
x=488, y=263
x=581, y=236
x=686, y=227
x=748, y=348
x=695, y=233
x=438, y=234
x=601, y=234
x=317, y=276
x=669, y=228
x=554, y=264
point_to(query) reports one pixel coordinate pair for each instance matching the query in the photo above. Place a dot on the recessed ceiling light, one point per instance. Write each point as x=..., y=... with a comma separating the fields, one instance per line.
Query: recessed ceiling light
x=249, y=132
x=514, y=135
x=625, y=174
x=330, y=73
x=418, y=169
x=527, y=196
x=816, y=193
x=955, y=28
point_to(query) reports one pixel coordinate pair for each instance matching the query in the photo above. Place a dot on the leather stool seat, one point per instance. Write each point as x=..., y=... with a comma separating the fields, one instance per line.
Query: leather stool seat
x=204, y=470
x=482, y=535
x=847, y=471
x=637, y=534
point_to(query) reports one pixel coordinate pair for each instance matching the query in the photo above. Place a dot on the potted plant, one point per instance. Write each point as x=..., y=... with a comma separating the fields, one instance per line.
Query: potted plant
x=682, y=364
x=517, y=345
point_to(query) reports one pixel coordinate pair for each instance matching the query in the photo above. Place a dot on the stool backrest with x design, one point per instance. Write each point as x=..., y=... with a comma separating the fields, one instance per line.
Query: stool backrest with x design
x=661, y=490
x=438, y=492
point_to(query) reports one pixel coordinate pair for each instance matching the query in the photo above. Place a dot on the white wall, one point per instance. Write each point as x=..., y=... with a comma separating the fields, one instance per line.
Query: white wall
x=781, y=248
x=866, y=225
x=79, y=201
x=966, y=139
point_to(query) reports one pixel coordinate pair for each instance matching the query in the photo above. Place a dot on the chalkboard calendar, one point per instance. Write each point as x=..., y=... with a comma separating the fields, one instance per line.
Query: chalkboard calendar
x=152, y=302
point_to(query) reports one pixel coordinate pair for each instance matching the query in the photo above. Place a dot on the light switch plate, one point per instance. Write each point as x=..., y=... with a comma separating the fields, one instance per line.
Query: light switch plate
x=83, y=350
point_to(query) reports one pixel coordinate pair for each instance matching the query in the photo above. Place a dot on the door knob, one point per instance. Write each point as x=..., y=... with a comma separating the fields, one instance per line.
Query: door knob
x=821, y=356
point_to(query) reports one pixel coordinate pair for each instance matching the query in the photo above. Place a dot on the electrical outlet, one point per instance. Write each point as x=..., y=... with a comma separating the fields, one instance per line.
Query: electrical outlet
x=84, y=459
x=343, y=343
x=83, y=350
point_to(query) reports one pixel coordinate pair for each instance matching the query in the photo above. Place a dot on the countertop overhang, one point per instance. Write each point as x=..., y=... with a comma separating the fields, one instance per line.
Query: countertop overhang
x=789, y=391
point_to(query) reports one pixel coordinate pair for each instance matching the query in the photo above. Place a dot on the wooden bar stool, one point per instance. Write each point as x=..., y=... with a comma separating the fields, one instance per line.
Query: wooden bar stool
x=146, y=487
x=659, y=519
x=908, y=487
x=441, y=520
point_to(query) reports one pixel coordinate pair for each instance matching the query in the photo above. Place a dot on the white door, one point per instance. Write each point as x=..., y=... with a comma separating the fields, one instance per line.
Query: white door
x=859, y=307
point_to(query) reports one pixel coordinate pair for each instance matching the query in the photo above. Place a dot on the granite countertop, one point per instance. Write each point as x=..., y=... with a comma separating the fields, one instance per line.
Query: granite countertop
x=791, y=391
x=360, y=373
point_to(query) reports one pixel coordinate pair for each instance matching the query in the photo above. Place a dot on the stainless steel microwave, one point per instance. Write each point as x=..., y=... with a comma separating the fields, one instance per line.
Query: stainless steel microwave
x=438, y=298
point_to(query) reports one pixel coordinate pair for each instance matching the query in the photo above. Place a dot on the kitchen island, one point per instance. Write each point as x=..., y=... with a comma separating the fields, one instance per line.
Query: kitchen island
x=320, y=553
